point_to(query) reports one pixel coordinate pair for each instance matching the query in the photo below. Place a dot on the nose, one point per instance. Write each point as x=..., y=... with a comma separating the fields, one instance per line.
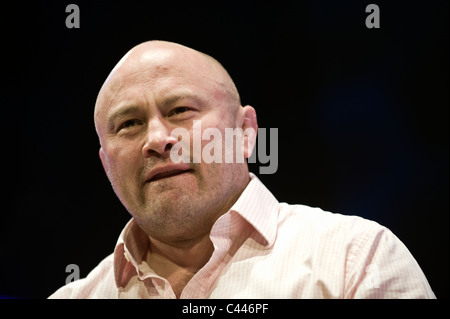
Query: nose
x=158, y=140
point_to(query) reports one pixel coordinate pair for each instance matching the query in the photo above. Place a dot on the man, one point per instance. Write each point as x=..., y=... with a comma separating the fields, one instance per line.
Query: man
x=203, y=229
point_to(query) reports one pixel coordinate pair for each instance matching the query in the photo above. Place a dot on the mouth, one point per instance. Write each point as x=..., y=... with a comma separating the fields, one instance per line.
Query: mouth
x=167, y=174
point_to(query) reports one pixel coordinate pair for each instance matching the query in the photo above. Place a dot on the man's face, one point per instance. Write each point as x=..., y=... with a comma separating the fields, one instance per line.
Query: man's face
x=142, y=102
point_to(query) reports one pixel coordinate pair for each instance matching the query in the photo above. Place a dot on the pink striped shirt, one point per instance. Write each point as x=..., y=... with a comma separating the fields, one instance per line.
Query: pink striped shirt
x=267, y=249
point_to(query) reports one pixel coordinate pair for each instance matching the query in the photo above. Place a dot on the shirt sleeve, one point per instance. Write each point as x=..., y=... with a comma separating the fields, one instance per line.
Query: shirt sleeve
x=380, y=266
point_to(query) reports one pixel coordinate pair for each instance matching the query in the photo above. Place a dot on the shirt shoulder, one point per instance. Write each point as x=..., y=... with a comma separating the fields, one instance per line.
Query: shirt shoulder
x=318, y=223
x=335, y=236
x=372, y=261
x=99, y=283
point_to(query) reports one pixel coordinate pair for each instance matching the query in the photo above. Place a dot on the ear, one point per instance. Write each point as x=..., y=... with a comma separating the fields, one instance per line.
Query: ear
x=250, y=129
x=102, y=155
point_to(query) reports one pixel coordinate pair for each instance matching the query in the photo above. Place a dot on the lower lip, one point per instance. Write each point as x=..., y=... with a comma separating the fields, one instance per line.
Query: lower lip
x=168, y=176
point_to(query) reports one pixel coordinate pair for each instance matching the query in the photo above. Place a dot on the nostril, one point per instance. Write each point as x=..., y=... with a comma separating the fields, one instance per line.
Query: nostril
x=168, y=147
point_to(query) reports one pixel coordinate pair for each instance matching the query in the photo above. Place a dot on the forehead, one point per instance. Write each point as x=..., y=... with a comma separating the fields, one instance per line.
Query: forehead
x=159, y=83
x=159, y=76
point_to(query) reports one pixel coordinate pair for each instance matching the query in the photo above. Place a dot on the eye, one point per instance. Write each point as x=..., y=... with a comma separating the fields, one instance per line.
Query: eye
x=129, y=123
x=178, y=110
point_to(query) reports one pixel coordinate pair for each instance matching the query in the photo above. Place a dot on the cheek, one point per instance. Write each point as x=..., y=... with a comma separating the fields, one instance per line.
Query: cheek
x=122, y=162
x=203, y=134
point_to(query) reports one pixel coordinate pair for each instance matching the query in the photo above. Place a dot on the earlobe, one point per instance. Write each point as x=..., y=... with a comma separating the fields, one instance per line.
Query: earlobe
x=250, y=129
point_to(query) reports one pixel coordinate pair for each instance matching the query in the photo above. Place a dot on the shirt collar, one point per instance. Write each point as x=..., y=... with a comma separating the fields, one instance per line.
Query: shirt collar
x=129, y=252
x=259, y=207
x=256, y=205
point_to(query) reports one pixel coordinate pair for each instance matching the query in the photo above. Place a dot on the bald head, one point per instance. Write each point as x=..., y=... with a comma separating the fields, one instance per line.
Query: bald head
x=154, y=59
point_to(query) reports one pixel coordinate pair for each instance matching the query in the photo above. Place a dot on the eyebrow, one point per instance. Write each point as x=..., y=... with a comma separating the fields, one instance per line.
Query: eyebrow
x=120, y=112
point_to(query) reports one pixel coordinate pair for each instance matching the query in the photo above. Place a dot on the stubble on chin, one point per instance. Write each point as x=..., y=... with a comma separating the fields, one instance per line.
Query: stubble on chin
x=172, y=212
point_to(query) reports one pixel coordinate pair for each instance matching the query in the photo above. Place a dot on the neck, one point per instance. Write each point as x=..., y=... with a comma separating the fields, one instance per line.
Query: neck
x=189, y=255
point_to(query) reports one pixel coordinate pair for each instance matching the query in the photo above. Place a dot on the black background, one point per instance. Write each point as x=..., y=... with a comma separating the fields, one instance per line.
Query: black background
x=362, y=116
